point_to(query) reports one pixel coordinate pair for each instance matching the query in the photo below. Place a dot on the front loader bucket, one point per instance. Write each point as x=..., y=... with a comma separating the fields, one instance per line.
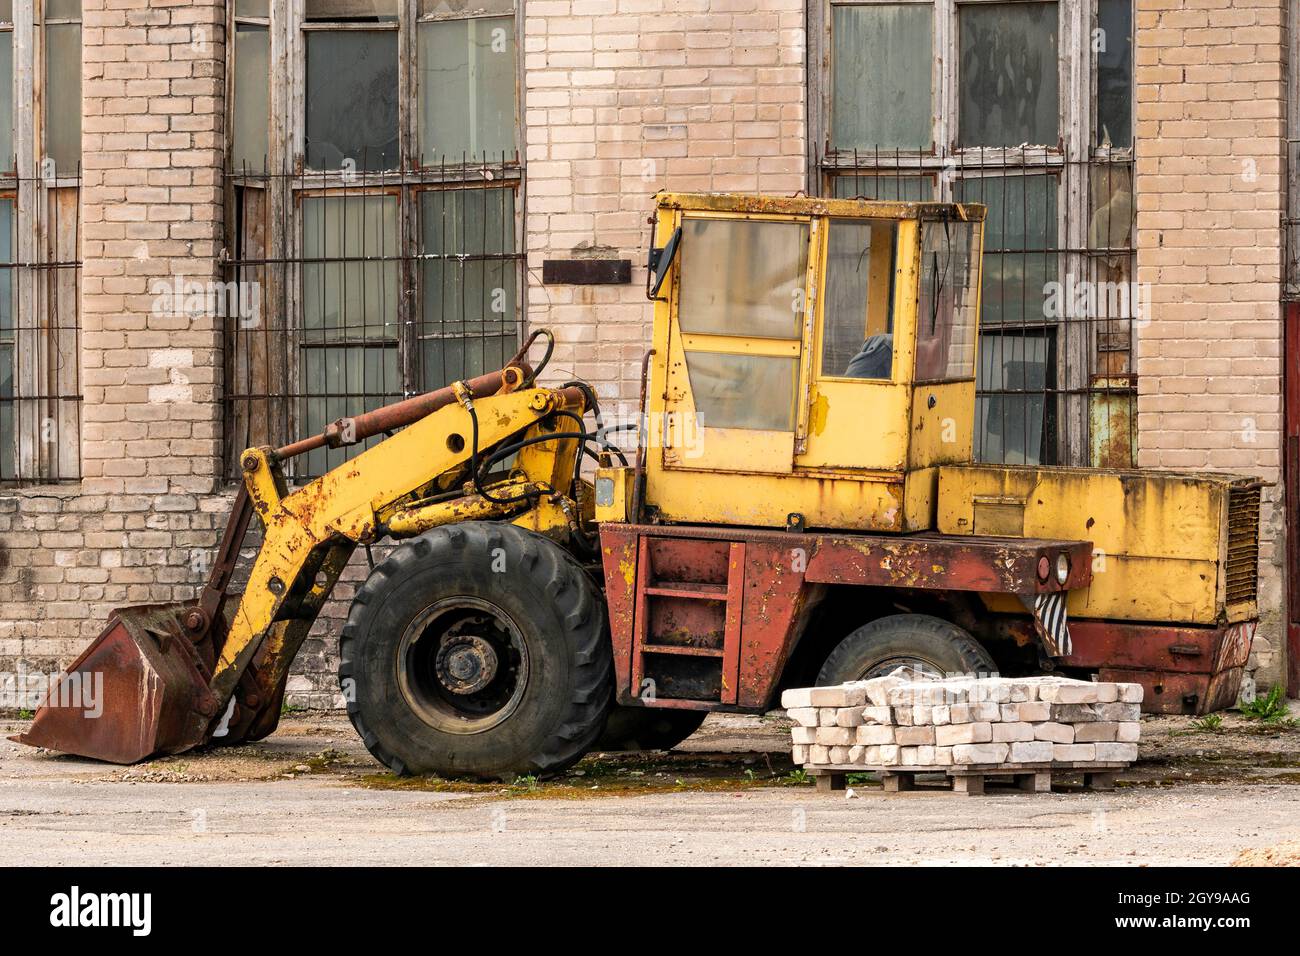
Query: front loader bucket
x=139, y=689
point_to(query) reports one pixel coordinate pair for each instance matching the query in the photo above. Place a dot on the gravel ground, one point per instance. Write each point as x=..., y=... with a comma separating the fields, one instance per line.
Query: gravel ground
x=311, y=794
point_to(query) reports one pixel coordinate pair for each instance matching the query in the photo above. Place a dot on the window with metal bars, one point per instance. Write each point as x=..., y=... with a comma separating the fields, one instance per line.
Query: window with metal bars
x=1027, y=109
x=378, y=223
x=40, y=252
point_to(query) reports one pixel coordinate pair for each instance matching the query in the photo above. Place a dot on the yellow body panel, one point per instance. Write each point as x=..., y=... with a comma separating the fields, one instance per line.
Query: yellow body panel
x=1159, y=538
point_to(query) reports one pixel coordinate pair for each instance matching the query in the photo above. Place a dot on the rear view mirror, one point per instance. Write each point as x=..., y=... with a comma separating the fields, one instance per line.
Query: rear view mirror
x=661, y=261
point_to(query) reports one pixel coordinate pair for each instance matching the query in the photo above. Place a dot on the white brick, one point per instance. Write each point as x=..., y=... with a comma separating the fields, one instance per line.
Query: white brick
x=1117, y=753
x=1007, y=732
x=922, y=714
x=841, y=695
x=888, y=755
x=943, y=756
x=828, y=716
x=879, y=715
x=903, y=716
x=909, y=756
x=1119, y=712
x=839, y=755
x=835, y=736
x=874, y=734
x=799, y=754
x=1074, y=753
x=1056, y=733
x=848, y=716
x=1130, y=732
x=914, y=736
x=1033, y=710
x=979, y=753
x=1035, y=751
x=941, y=714
x=1130, y=693
x=818, y=754
x=1107, y=693
x=1095, y=732
x=803, y=716
x=799, y=698
x=1069, y=692
x=803, y=735
x=878, y=689
x=951, y=734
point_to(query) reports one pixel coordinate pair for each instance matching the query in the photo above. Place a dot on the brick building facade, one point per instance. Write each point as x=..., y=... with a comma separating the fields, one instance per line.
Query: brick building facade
x=211, y=157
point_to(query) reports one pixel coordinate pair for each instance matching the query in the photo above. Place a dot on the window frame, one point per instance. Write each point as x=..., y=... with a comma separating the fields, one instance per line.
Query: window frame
x=46, y=337
x=1076, y=149
x=289, y=179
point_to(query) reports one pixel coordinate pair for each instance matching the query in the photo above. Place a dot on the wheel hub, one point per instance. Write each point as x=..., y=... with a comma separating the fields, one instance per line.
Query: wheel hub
x=466, y=664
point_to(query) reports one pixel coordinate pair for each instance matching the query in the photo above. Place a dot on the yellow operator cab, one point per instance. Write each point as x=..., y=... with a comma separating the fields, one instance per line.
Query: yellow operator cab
x=821, y=358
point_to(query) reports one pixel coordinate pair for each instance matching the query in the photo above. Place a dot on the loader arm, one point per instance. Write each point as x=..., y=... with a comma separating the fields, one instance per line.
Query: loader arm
x=309, y=535
x=175, y=676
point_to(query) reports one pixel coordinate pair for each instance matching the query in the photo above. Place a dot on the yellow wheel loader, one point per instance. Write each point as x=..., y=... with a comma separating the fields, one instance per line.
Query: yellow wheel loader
x=801, y=507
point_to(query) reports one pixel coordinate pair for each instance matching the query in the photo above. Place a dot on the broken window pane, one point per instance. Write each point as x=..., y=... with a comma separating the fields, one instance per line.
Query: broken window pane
x=857, y=327
x=743, y=391
x=350, y=324
x=252, y=96
x=343, y=10
x=467, y=83
x=880, y=76
x=885, y=187
x=945, y=311
x=1008, y=74
x=7, y=438
x=742, y=277
x=7, y=159
x=63, y=96
x=352, y=99
x=1015, y=407
x=1020, y=245
x=1114, y=42
x=469, y=300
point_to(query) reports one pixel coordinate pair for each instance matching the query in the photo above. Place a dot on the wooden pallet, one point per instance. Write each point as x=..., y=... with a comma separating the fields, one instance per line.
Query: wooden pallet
x=970, y=779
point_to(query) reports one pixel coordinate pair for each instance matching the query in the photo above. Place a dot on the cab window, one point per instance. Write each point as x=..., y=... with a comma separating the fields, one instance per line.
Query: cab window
x=858, y=315
x=946, y=314
x=743, y=279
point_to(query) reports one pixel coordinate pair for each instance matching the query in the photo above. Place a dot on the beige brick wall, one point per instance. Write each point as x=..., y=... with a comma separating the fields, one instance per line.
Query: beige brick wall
x=624, y=98
x=1210, y=130
x=140, y=525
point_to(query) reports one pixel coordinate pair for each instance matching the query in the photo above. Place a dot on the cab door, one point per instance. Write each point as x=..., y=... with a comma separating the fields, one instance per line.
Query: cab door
x=740, y=301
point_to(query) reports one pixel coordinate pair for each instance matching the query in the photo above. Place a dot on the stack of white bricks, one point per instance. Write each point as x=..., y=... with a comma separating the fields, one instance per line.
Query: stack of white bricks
x=903, y=721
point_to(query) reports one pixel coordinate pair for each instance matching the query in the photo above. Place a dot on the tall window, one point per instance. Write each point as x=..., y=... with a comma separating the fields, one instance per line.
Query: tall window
x=1026, y=108
x=375, y=201
x=40, y=167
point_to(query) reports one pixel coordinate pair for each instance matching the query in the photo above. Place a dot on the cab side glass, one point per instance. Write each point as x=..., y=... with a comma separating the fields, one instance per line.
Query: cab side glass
x=946, y=315
x=858, y=322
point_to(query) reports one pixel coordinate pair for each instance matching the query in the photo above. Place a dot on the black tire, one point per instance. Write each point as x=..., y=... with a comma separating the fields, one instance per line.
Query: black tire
x=477, y=649
x=648, y=728
x=913, y=640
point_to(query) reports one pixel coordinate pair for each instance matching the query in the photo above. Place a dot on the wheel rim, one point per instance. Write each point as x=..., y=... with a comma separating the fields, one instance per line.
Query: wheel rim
x=462, y=665
x=891, y=664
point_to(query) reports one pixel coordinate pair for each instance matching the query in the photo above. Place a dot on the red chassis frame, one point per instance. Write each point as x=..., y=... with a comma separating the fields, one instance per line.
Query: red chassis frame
x=704, y=618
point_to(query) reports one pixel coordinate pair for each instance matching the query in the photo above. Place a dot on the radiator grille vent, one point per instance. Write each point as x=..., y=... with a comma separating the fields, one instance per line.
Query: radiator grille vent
x=1242, y=570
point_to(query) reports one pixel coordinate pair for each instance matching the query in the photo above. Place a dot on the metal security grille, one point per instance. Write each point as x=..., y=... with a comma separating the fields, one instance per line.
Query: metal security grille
x=347, y=291
x=40, y=337
x=1055, y=377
